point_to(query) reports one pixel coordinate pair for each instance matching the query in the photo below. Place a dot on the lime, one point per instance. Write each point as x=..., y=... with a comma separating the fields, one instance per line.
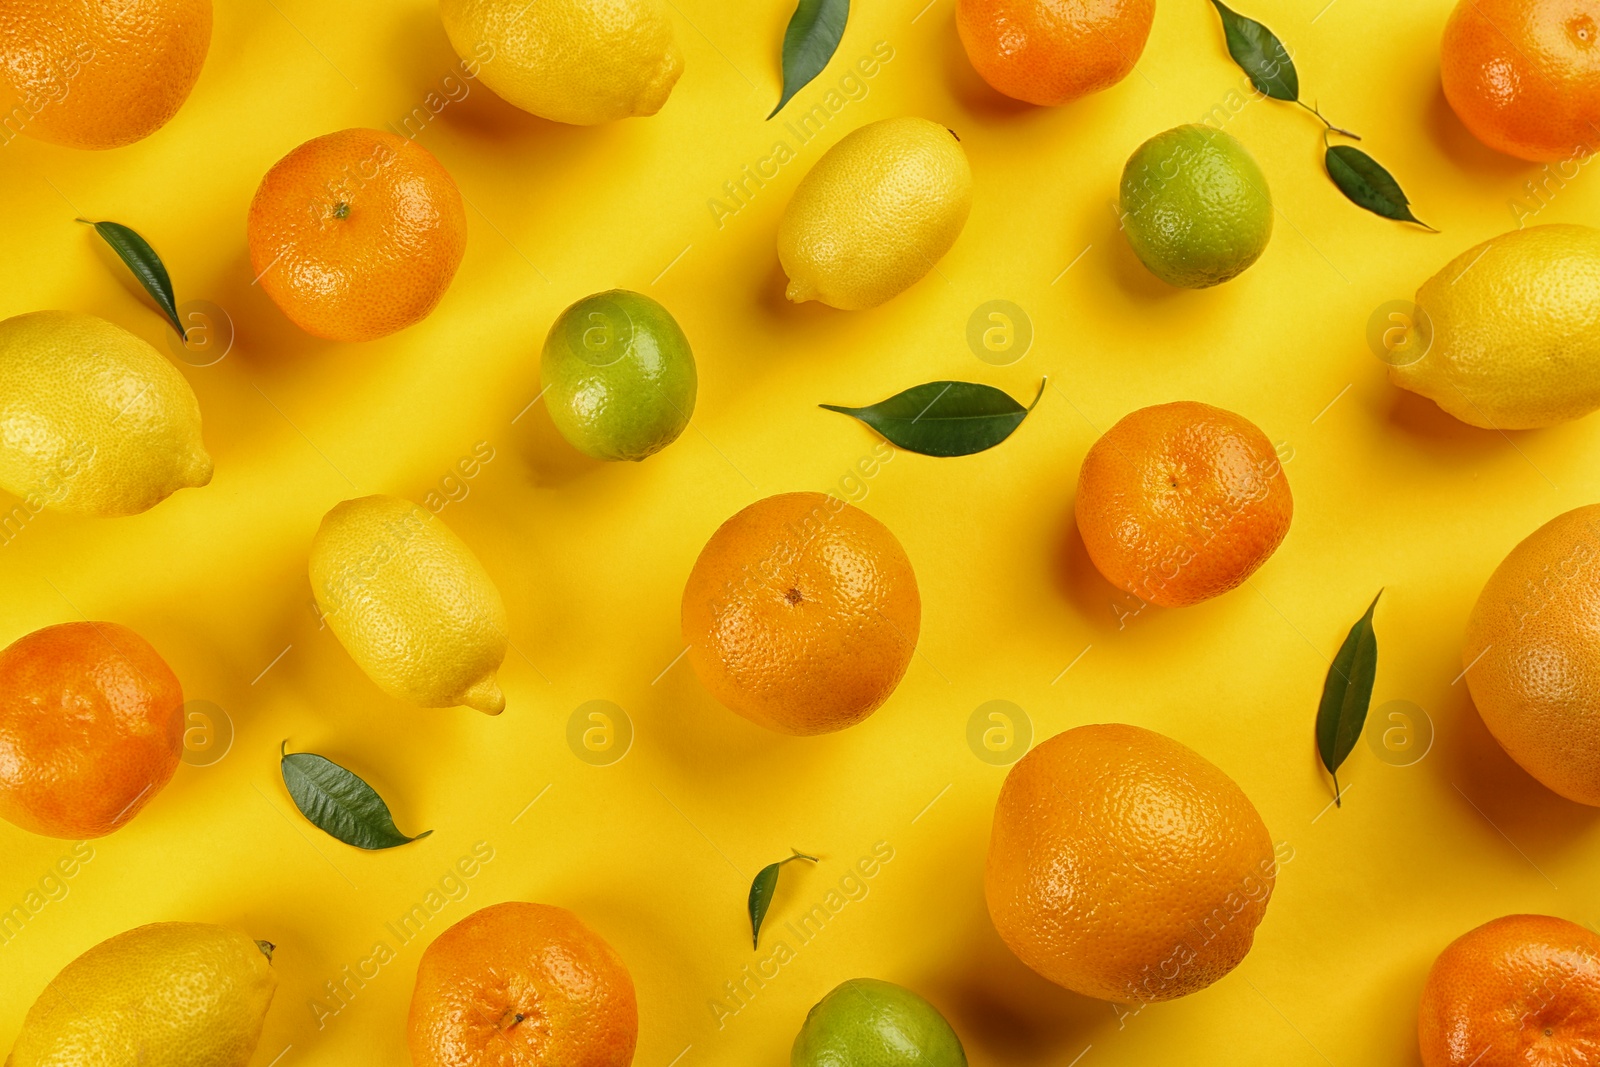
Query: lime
x=1195, y=206
x=868, y=1023
x=618, y=375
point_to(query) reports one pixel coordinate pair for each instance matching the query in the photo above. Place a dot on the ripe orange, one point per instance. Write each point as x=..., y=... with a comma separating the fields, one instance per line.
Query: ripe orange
x=1524, y=75
x=1124, y=866
x=802, y=613
x=357, y=234
x=91, y=728
x=1053, y=51
x=522, y=985
x=1182, y=502
x=1532, y=654
x=99, y=75
x=1520, y=991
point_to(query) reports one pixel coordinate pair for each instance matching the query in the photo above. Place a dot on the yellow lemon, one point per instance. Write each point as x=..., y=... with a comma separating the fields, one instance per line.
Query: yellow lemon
x=575, y=61
x=875, y=214
x=1507, y=336
x=164, y=995
x=410, y=603
x=92, y=419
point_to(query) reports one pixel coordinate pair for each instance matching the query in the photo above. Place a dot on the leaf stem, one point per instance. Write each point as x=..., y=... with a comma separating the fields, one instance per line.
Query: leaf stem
x=1337, y=792
x=1036, y=397
x=798, y=855
x=1331, y=127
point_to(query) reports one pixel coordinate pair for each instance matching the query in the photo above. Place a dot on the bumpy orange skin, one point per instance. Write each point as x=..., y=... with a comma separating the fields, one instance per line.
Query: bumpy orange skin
x=90, y=74
x=357, y=234
x=1182, y=502
x=1524, y=75
x=522, y=985
x=1124, y=866
x=91, y=728
x=802, y=613
x=1520, y=991
x=1051, y=52
x=1532, y=654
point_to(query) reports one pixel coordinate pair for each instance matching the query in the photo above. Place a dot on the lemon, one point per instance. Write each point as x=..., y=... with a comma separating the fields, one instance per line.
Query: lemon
x=1195, y=206
x=410, y=603
x=1507, y=336
x=577, y=61
x=868, y=1023
x=92, y=419
x=164, y=995
x=618, y=375
x=875, y=214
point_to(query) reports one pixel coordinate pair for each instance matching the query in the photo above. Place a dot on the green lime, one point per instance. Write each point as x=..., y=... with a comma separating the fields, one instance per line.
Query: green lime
x=868, y=1023
x=618, y=375
x=1195, y=206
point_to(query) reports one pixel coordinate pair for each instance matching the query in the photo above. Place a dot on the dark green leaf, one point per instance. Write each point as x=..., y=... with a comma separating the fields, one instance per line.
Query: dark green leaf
x=1368, y=185
x=761, y=890
x=1260, y=55
x=944, y=418
x=809, y=42
x=1347, y=694
x=136, y=252
x=339, y=803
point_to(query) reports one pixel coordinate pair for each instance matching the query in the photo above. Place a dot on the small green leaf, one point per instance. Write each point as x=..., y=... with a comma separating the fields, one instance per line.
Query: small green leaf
x=761, y=890
x=809, y=42
x=1367, y=185
x=1260, y=55
x=339, y=803
x=146, y=266
x=1347, y=694
x=945, y=418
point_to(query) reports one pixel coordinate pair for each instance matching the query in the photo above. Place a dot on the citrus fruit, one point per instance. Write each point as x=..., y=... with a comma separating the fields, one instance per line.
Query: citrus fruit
x=96, y=75
x=1124, y=866
x=92, y=419
x=572, y=61
x=1195, y=206
x=410, y=603
x=1524, y=75
x=356, y=234
x=1507, y=335
x=1532, y=654
x=618, y=376
x=801, y=613
x=1519, y=991
x=868, y=1023
x=163, y=995
x=522, y=985
x=91, y=728
x=875, y=214
x=1182, y=502
x=1053, y=51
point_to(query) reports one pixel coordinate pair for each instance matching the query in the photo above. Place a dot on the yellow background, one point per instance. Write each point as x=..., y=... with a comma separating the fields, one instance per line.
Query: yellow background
x=657, y=851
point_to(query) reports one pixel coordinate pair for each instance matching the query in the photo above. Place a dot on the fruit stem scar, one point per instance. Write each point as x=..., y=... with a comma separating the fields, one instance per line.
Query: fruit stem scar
x=341, y=210
x=793, y=596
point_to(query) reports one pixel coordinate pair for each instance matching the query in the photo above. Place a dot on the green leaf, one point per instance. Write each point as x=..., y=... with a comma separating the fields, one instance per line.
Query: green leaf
x=136, y=252
x=761, y=890
x=1260, y=55
x=809, y=42
x=339, y=803
x=945, y=418
x=1367, y=185
x=1347, y=694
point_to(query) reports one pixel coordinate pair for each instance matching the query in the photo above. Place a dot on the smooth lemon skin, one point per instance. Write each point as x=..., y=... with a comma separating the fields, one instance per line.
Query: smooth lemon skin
x=868, y=1023
x=1195, y=206
x=410, y=603
x=1515, y=327
x=875, y=214
x=93, y=420
x=576, y=61
x=619, y=376
x=164, y=995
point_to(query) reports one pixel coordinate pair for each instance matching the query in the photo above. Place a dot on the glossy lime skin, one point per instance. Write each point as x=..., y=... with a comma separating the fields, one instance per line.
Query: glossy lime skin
x=1195, y=206
x=868, y=1023
x=618, y=375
